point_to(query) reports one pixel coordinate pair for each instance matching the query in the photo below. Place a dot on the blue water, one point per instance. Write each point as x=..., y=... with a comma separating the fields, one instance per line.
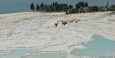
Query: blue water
x=47, y=55
x=100, y=46
x=17, y=53
x=21, y=52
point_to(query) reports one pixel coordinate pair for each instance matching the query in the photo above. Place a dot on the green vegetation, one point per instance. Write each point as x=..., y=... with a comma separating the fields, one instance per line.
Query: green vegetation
x=80, y=7
x=32, y=7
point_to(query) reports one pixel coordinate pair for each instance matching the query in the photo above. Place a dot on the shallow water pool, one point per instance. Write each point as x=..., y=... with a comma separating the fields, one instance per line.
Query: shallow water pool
x=17, y=53
x=100, y=46
x=47, y=55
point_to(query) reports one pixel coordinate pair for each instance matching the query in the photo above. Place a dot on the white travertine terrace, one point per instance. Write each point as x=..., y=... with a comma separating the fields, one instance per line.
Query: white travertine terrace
x=35, y=29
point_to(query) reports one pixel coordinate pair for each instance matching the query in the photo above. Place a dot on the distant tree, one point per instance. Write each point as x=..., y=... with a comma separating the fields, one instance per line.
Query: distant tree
x=56, y=6
x=42, y=7
x=112, y=7
x=53, y=3
x=37, y=7
x=79, y=3
x=107, y=4
x=64, y=7
x=77, y=6
x=93, y=8
x=56, y=3
x=70, y=6
x=42, y=4
x=86, y=4
x=82, y=4
x=32, y=7
x=46, y=7
x=51, y=8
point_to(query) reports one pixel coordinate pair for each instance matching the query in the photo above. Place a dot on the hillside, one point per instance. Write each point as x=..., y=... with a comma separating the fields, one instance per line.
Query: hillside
x=35, y=29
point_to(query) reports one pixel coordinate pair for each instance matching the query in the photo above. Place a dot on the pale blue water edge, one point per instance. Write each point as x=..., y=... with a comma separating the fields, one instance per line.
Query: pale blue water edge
x=17, y=53
x=47, y=55
x=21, y=52
x=100, y=46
